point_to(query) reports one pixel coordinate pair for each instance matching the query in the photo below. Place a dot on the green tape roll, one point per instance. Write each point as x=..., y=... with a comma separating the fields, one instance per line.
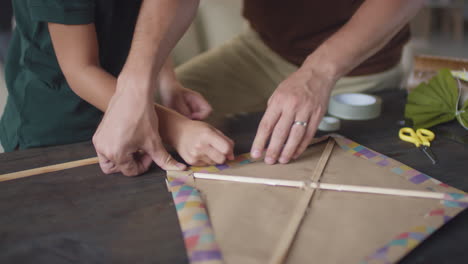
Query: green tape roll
x=355, y=106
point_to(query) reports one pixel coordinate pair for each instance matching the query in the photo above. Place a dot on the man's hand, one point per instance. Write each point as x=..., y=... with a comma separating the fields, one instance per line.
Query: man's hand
x=128, y=140
x=302, y=97
x=185, y=101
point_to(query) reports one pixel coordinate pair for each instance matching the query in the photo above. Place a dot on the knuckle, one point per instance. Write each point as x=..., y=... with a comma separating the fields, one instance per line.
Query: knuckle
x=110, y=156
x=198, y=146
x=130, y=170
x=132, y=174
x=281, y=131
x=287, y=154
x=224, y=148
x=225, y=151
x=191, y=160
x=194, y=154
x=221, y=160
x=106, y=170
x=161, y=156
x=266, y=125
x=273, y=152
x=199, y=163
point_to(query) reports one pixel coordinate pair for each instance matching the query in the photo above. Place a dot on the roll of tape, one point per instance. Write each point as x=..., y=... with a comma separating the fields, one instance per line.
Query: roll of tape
x=329, y=124
x=355, y=106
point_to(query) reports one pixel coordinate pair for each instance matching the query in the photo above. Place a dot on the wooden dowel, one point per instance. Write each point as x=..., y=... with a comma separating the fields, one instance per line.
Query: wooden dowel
x=328, y=186
x=379, y=190
x=286, y=241
x=47, y=169
x=242, y=179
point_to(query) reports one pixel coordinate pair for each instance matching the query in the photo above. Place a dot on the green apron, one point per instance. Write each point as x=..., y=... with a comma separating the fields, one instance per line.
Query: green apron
x=41, y=108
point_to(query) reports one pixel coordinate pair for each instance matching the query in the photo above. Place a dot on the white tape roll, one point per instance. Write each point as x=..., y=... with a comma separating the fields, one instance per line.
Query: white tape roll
x=329, y=124
x=355, y=106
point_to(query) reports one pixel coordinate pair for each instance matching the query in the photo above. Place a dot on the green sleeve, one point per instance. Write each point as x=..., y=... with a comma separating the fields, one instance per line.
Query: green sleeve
x=68, y=12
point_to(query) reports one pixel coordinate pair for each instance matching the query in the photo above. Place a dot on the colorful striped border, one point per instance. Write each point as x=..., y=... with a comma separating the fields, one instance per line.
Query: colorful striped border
x=194, y=222
x=452, y=204
x=199, y=236
x=396, y=167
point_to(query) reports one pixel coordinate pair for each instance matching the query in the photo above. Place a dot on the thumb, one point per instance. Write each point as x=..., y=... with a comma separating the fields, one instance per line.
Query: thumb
x=164, y=160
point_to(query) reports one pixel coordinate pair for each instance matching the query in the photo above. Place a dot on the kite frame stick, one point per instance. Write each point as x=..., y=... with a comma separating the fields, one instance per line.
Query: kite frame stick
x=47, y=169
x=326, y=186
x=287, y=238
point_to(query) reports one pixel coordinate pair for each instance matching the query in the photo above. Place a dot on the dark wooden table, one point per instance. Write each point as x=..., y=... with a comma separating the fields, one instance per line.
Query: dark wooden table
x=82, y=216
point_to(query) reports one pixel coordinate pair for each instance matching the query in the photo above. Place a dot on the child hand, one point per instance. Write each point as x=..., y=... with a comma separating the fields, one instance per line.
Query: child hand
x=185, y=101
x=200, y=144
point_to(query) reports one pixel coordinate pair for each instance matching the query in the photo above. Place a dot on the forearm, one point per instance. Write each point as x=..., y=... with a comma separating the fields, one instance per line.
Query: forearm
x=160, y=25
x=93, y=84
x=374, y=24
x=96, y=86
x=171, y=124
x=85, y=85
x=167, y=76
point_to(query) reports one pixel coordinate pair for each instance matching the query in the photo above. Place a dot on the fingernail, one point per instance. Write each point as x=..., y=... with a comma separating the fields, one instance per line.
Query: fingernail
x=256, y=154
x=283, y=160
x=270, y=160
x=181, y=166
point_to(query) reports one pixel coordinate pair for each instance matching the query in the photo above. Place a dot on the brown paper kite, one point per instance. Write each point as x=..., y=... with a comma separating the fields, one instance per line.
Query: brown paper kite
x=339, y=203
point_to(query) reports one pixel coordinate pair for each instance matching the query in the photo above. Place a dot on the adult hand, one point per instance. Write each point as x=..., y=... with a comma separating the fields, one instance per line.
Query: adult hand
x=185, y=101
x=301, y=97
x=127, y=139
x=200, y=144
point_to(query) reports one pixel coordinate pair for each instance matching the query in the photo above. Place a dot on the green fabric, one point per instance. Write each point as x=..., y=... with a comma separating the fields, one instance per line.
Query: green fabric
x=62, y=11
x=41, y=108
x=435, y=102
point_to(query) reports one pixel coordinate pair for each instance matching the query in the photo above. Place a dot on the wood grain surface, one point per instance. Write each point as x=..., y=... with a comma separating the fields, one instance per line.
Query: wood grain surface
x=80, y=215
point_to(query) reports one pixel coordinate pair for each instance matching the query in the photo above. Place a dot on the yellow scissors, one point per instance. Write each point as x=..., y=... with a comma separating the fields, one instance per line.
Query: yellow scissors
x=421, y=138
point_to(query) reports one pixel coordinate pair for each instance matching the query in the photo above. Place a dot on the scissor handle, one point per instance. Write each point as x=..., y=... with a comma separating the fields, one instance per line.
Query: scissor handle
x=425, y=136
x=407, y=134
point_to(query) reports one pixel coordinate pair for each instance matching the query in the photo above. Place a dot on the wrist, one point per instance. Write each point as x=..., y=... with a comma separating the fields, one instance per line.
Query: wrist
x=167, y=83
x=135, y=84
x=327, y=62
x=324, y=68
x=319, y=74
x=171, y=125
x=167, y=78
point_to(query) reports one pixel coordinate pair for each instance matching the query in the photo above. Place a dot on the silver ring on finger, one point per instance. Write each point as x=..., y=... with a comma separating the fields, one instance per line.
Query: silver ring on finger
x=300, y=123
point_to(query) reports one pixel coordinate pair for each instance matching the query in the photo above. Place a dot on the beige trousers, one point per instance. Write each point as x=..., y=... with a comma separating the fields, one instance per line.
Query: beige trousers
x=241, y=75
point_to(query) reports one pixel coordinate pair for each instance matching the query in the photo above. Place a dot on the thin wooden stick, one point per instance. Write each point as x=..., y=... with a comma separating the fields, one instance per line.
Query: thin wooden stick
x=242, y=179
x=47, y=169
x=328, y=186
x=379, y=190
x=282, y=249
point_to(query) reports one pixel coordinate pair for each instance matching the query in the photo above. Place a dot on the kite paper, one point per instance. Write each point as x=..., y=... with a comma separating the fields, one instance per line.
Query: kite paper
x=227, y=222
